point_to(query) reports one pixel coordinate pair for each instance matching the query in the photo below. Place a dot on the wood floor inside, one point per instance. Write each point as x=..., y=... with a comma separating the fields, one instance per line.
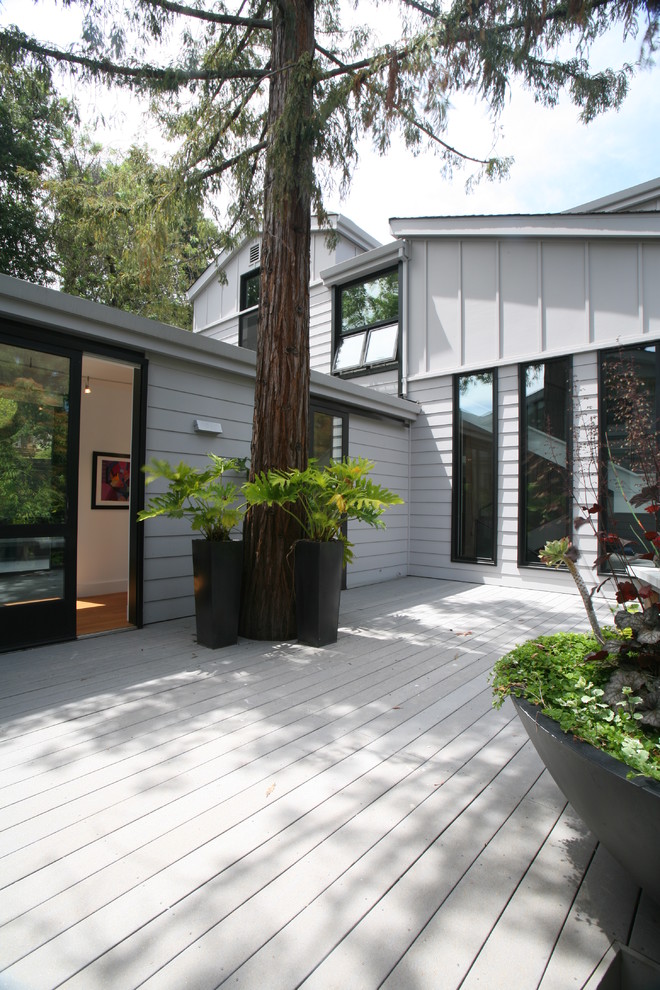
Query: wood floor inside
x=101, y=613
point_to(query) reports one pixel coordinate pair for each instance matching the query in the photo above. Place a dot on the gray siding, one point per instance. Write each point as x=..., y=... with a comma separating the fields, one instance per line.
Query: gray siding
x=431, y=488
x=180, y=392
x=320, y=327
x=381, y=554
x=475, y=303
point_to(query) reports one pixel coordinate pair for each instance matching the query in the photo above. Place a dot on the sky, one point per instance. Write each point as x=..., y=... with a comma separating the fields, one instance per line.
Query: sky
x=558, y=161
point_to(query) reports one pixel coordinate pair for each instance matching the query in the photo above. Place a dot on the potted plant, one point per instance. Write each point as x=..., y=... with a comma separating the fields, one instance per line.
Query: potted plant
x=591, y=706
x=210, y=503
x=322, y=499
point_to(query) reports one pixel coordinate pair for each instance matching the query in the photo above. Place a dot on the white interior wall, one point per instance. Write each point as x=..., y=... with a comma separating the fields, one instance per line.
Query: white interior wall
x=105, y=426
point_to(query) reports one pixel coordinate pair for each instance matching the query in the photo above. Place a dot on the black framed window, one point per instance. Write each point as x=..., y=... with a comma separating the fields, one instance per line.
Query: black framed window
x=474, y=502
x=249, y=303
x=367, y=323
x=545, y=456
x=629, y=442
x=328, y=433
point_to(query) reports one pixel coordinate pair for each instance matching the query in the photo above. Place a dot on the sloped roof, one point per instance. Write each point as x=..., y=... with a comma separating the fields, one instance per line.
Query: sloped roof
x=336, y=221
x=643, y=197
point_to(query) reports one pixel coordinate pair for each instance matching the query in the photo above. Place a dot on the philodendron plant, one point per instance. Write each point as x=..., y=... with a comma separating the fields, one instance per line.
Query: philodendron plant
x=323, y=498
x=211, y=504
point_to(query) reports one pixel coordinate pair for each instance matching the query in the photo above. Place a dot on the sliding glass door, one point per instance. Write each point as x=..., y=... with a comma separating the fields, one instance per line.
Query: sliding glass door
x=39, y=416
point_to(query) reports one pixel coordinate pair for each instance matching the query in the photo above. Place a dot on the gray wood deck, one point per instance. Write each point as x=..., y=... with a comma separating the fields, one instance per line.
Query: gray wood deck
x=273, y=816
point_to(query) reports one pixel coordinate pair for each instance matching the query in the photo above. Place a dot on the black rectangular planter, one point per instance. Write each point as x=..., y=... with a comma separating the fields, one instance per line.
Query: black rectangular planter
x=217, y=568
x=318, y=571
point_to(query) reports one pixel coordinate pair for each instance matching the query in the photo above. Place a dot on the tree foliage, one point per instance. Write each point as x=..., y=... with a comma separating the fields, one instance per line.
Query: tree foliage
x=207, y=68
x=268, y=101
x=34, y=134
x=128, y=235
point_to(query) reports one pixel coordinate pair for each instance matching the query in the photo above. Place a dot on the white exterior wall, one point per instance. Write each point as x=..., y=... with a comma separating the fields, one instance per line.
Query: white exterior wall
x=476, y=303
x=178, y=394
x=431, y=492
x=320, y=327
x=217, y=295
x=381, y=554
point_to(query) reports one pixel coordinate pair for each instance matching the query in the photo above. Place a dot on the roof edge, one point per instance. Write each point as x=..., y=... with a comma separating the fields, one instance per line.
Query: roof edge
x=553, y=225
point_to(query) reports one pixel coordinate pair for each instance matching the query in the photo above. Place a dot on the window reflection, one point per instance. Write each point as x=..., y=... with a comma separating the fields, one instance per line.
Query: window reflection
x=367, y=323
x=31, y=570
x=34, y=391
x=545, y=456
x=629, y=435
x=475, y=479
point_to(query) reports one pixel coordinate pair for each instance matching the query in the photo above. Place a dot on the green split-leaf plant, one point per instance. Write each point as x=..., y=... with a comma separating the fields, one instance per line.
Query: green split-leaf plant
x=210, y=503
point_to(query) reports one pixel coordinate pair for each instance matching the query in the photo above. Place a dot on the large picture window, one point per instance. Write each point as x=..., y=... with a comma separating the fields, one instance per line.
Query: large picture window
x=475, y=467
x=249, y=302
x=629, y=420
x=545, y=461
x=367, y=323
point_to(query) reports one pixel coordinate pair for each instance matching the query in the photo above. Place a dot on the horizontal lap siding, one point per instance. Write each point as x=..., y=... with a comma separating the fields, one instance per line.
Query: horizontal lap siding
x=431, y=491
x=178, y=394
x=381, y=555
x=431, y=478
x=320, y=323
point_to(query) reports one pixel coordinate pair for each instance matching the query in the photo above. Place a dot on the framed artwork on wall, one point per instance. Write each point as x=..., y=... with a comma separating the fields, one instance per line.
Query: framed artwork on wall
x=111, y=480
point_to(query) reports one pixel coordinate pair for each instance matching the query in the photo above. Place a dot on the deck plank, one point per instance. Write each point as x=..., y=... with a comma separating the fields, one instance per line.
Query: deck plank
x=271, y=815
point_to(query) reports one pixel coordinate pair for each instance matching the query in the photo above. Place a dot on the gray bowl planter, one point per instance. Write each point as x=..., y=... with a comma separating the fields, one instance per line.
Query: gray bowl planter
x=623, y=813
x=631, y=971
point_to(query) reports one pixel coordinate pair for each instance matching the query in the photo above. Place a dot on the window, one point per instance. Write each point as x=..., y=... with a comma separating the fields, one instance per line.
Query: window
x=328, y=434
x=629, y=441
x=367, y=323
x=474, y=507
x=249, y=302
x=545, y=488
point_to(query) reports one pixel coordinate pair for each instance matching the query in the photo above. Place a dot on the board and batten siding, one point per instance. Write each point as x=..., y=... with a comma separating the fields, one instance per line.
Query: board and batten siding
x=381, y=554
x=179, y=393
x=474, y=303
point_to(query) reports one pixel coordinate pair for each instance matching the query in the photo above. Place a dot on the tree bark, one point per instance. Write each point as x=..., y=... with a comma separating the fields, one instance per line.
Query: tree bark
x=281, y=399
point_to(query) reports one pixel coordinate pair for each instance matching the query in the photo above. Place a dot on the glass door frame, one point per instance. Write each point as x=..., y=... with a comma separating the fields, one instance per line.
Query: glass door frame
x=50, y=620
x=57, y=628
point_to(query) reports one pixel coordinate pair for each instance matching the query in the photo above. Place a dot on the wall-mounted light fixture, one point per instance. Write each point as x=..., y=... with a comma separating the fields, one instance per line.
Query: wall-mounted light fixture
x=207, y=426
x=87, y=390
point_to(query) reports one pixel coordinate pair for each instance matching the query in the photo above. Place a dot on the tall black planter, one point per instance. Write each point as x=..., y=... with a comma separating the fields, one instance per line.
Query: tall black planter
x=318, y=570
x=623, y=813
x=217, y=567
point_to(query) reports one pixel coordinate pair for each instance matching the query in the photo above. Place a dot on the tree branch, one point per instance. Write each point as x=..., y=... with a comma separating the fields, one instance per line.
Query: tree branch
x=423, y=8
x=430, y=133
x=170, y=78
x=463, y=35
x=331, y=57
x=255, y=149
x=209, y=15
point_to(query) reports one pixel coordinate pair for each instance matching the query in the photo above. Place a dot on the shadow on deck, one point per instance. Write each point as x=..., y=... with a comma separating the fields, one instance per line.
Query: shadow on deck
x=274, y=816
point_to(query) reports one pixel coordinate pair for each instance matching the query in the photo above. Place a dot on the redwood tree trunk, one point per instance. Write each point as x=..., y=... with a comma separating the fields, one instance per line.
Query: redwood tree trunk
x=281, y=399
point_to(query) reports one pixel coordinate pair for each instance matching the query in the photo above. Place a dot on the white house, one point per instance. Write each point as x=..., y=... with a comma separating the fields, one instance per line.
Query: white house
x=474, y=359
x=90, y=394
x=504, y=330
